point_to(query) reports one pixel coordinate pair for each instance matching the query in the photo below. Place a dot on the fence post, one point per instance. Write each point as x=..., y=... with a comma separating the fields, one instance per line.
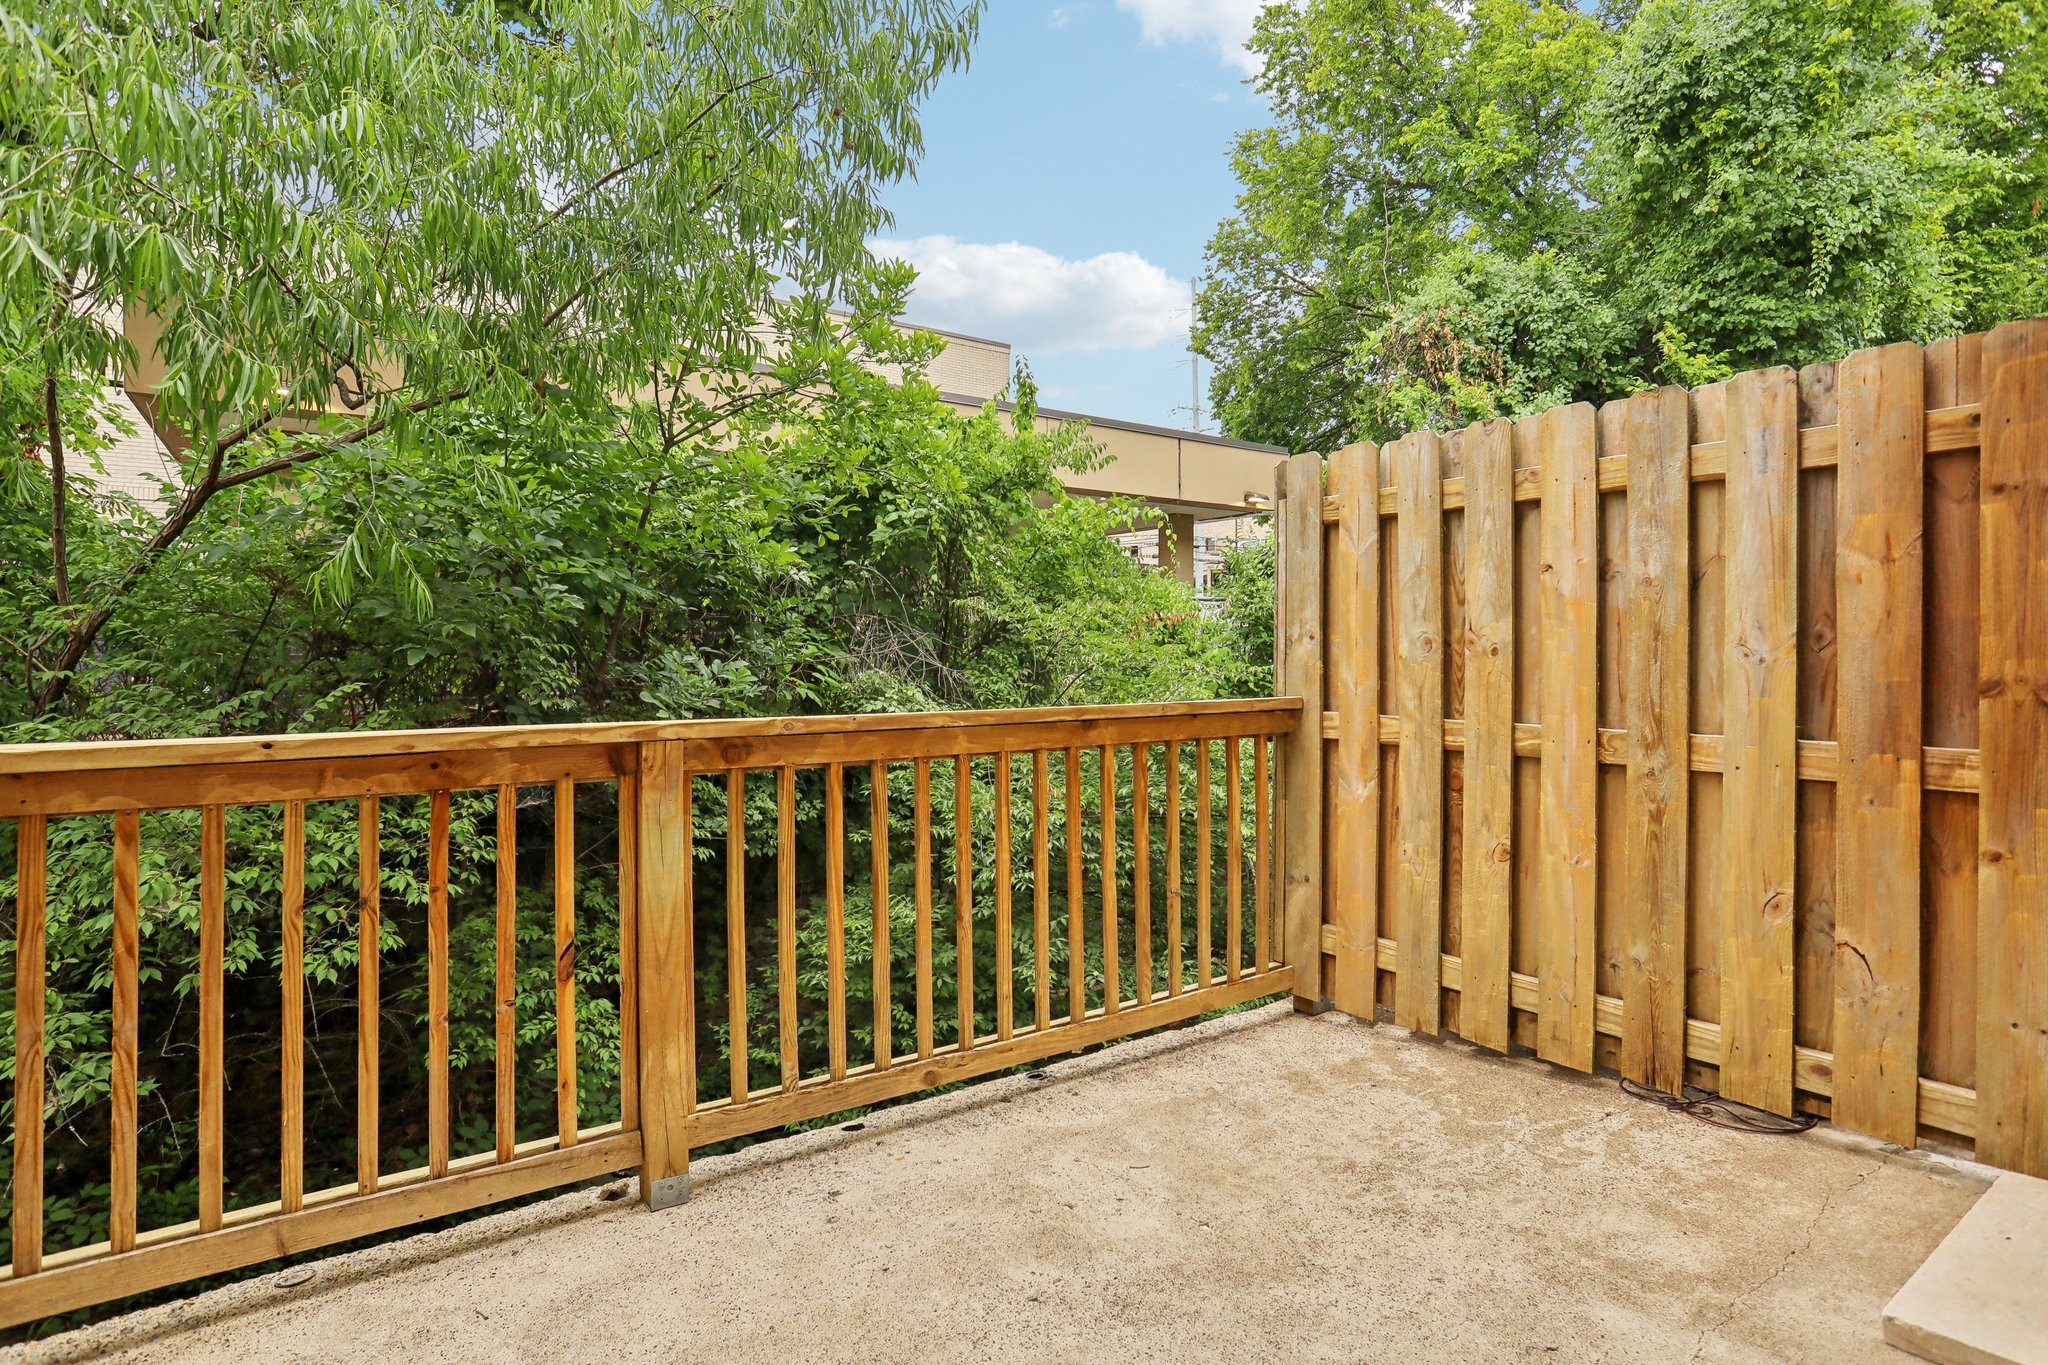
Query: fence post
x=666, y=1032
x=1298, y=671
x=1352, y=686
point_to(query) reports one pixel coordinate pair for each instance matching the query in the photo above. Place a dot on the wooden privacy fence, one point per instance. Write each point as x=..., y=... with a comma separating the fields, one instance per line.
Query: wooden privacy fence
x=1704, y=734
x=1149, y=768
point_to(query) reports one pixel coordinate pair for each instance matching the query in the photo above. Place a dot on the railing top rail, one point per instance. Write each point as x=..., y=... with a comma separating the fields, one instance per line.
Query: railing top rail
x=109, y=755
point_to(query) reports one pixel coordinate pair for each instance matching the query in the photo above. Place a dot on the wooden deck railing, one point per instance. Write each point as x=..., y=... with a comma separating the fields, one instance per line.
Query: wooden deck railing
x=1123, y=773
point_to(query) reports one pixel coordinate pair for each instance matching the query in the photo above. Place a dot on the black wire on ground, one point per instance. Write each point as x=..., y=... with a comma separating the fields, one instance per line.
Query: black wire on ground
x=1713, y=1108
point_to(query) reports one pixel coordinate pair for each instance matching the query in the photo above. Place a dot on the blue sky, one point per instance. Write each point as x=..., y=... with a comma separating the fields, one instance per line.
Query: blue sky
x=1071, y=177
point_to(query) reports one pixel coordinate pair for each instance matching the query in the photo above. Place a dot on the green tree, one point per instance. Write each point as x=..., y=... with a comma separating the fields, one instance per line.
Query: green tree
x=427, y=212
x=1456, y=217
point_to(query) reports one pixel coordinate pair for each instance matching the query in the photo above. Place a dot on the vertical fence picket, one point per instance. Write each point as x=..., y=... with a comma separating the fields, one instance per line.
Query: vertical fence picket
x=1879, y=624
x=736, y=932
x=1175, y=919
x=963, y=897
x=1760, y=755
x=1489, y=773
x=1205, y=859
x=1112, y=968
x=437, y=984
x=127, y=955
x=1657, y=694
x=1353, y=687
x=1006, y=983
x=922, y=886
x=1041, y=892
x=1298, y=643
x=1570, y=605
x=835, y=921
x=1262, y=943
x=291, y=1178
x=213, y=873
x=1077, y=957
x=505, y=983
x=567, y=1122
x=30, y=912
x=1141, y=870
x=878, y=892
x=2012, y=813
x=369, y=929
x=1233, y=916
x=629, y=949
x=791, y=1070
x=1419, y=685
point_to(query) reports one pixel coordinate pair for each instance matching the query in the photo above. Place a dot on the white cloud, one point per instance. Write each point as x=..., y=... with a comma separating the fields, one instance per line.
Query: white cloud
x=1058, y=18
x=1038, y=302
x=1225, y=23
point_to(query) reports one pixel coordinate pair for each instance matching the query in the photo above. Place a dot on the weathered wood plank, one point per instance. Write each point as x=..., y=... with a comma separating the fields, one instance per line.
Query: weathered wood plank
x=505, y=984
x=1299, y=672
x=1006, y=1000
x=124, y=1031
x=213, y=880
x=1141, y=868
x=963, y=899
x=737, y=1041
x=1419, y=701
x=369, y=929
x=567, y=1121
x=1569, y=602
x=31, y=906
x=1657, y=695
x=835, y=920
x=1041, y=890
x=1760, y=782
x=1879, y=614
x=1488, y=647
x=292, y=1011
x=878, y=893
x=437, y=985
x=1353, y=695
x=666, y=965
x=921, y=884
x=2012, y=736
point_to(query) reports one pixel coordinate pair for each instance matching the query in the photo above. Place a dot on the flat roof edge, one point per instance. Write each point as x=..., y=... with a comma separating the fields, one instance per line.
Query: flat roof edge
x=1119, y=424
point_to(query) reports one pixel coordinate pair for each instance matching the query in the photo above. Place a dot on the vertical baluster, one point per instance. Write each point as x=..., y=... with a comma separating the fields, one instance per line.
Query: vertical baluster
x=878, y=855
x=437, y=984
x=963, y=894
x=369, y=916
x=1233, y=800
x=1006, y=1004
x=1174, y=968
x=1204, y=860
x=785, y=927
x=506, y=984
x=736, y=930
x=127, y=961
x=213, y=874
x=1077, y=956
x=835, y=920
x=923, y=881
x=1041, y=892
x=1112, y=966
x=629, y=950
x=1141, y=873
x=566, y=1120
x=1261, y=862
x=291, y=1180
x=30, y=909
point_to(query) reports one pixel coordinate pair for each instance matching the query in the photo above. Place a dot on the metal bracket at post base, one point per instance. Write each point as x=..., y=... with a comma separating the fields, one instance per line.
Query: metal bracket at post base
x=665, y=1194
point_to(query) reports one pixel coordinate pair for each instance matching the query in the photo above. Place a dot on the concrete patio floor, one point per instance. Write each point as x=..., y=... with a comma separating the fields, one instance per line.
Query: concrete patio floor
x=1257, y=1187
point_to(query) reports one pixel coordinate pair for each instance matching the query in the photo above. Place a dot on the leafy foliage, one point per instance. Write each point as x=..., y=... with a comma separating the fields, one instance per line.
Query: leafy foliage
x=1465, y=212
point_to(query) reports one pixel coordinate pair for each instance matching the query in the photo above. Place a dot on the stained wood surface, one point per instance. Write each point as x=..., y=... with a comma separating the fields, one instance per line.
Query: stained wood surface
x=1760, y=775
x=292, y=1012
x=1658, y=701
x=1569, y=602
x=1879, y=644
x=2012, y=735
x=437, y=986
x=1487, y=648
x=505, y=982
x=213, y=872
x=1353, y=695
x=369, y=1002
x=31, y=868
x=1298, y=588
x=1419, y=695
x=666, y=966
x=566, y=1103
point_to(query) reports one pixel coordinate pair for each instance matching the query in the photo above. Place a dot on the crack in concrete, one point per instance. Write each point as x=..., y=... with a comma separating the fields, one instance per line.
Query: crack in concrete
x=1729, y=1309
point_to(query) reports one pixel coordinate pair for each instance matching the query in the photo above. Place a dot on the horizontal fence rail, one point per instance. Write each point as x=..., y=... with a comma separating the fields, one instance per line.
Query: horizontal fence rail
x=1702, y=736
x=941, y=896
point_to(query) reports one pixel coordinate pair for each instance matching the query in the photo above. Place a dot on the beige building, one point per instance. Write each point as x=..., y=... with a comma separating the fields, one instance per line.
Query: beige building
x=1189, y=479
